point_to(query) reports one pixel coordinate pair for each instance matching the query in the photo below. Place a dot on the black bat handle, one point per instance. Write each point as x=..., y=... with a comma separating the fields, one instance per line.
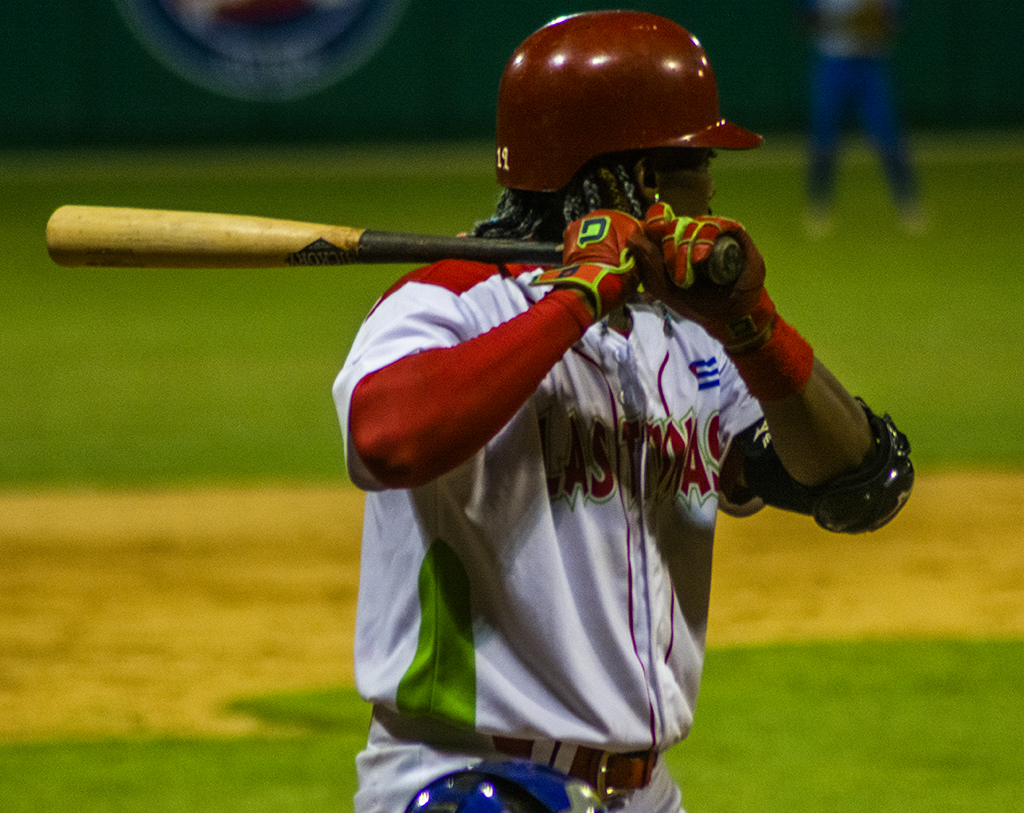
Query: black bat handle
x=398, y=247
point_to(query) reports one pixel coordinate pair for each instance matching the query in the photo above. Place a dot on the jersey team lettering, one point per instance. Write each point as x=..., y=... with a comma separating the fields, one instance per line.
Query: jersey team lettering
x=682, y=460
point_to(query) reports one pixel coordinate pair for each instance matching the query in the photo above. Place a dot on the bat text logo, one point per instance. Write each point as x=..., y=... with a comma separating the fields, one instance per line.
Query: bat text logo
x=320, y=252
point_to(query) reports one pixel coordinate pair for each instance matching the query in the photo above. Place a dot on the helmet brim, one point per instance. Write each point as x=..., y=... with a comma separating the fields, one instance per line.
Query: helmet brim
x=722, y=135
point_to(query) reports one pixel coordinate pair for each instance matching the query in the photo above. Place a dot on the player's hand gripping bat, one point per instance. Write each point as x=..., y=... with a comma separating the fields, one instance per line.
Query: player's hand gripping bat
x=115, y=237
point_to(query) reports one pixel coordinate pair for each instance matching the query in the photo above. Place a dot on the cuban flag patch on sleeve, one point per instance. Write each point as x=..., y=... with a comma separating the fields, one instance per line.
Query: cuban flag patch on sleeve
x=706, y=373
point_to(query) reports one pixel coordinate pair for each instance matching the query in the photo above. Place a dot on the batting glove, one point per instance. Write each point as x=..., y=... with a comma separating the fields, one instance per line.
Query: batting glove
x=687, y=242
x=739, y=315
x=773, y=359
x=599, y=260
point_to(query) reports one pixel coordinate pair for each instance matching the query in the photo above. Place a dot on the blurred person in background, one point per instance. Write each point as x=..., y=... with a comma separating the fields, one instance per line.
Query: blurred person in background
x=853, y=42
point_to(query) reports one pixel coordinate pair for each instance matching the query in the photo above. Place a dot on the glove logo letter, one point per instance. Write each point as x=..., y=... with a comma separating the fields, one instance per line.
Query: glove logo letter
x=593, y=230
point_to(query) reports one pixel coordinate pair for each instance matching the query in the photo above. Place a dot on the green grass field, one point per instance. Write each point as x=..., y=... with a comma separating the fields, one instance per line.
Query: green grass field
x=129, y=379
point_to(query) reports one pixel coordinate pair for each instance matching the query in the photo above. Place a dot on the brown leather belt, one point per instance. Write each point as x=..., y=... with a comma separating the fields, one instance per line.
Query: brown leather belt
x=606, y=772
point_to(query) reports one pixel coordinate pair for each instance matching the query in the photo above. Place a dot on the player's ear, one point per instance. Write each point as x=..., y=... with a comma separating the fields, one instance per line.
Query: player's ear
x=646, y=180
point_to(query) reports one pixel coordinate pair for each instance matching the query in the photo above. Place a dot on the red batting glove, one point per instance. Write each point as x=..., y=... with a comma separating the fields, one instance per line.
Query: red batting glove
x=739, y=315
x=600, y=254
x=774, y=360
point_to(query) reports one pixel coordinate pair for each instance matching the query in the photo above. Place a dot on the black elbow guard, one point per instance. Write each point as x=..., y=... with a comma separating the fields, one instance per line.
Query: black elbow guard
x=862, y=500
x=867, y=498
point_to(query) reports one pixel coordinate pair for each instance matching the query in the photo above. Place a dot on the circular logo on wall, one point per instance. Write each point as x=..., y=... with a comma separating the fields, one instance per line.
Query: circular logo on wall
x=263, y=49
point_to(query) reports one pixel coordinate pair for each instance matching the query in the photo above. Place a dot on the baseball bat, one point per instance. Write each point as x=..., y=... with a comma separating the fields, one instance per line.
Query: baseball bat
x=120, y=237
x=116, y=237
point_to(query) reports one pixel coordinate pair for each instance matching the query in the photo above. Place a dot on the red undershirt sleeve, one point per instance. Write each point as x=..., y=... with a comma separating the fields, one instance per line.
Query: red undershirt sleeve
x=425, y=414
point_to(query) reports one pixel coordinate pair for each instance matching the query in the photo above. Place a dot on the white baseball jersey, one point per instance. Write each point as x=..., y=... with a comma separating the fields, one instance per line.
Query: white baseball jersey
x=555, y=585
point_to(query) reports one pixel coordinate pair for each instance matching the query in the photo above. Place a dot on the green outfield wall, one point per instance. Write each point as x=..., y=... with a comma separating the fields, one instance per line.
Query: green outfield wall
x=74, y=73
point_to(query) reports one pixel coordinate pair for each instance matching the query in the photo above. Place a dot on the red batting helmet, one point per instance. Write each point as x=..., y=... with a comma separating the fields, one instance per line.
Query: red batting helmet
x=601, y=82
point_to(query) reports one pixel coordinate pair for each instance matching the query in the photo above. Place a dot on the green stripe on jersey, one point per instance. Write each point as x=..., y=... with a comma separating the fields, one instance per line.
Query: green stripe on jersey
x=441, y=680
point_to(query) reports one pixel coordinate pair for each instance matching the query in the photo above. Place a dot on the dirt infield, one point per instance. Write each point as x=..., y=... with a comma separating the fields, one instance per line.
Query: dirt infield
x=145, y=613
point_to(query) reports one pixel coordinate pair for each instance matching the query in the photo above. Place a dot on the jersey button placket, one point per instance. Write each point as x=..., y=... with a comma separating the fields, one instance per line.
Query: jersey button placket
x=633, y=399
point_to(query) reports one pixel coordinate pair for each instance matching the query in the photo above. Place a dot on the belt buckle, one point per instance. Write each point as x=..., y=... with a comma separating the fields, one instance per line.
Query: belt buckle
x=604, y=792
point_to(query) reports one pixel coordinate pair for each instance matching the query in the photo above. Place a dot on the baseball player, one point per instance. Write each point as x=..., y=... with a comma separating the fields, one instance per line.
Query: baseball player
x=545, y=451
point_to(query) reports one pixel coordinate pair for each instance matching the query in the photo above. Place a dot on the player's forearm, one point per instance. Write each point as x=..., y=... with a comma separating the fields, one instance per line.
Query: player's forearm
x=429, y=412
x=819, y=432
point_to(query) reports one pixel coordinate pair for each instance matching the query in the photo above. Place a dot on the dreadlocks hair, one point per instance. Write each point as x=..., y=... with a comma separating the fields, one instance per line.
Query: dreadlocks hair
x=603, y=183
